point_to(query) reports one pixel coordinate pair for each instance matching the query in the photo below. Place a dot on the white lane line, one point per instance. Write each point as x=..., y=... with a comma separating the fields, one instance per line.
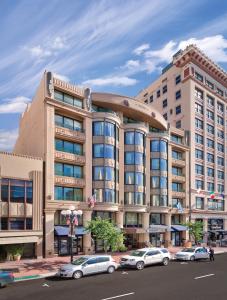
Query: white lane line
x=208, y=275
x=119, y=296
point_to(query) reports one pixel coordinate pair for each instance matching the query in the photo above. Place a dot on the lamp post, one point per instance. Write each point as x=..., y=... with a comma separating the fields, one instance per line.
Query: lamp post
x=71, y=214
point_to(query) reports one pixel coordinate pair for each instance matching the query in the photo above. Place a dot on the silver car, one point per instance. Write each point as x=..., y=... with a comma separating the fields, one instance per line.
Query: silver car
x=86, y=265
x=192, y=254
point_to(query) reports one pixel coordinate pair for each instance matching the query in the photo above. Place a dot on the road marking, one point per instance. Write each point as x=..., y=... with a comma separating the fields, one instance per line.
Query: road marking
x=184, y=263
x=208, y=275
x=119, y=296
x=124, y=273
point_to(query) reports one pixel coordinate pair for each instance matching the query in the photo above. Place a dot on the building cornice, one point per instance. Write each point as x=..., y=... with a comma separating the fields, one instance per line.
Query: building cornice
x=19, y=155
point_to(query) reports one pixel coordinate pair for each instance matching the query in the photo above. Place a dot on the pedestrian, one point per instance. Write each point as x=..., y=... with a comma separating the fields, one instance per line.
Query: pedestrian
x=211, y=254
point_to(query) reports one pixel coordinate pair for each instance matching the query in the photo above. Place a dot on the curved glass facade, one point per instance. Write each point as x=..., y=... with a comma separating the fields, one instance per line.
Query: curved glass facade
x=134, y=138
x=106, y=195
x=159, y=146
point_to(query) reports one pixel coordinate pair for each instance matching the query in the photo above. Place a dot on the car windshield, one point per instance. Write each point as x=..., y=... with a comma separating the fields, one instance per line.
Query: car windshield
x=79, y=261
x=188, y=250
x=137, y=253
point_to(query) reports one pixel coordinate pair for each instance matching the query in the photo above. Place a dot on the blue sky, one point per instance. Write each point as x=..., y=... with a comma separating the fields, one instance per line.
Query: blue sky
x=115, y=46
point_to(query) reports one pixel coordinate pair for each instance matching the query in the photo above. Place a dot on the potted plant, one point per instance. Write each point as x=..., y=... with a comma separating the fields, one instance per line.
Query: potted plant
x=18, y=251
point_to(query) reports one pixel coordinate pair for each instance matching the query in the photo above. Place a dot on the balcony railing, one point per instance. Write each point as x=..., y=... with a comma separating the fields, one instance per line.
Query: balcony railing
x=73, y=134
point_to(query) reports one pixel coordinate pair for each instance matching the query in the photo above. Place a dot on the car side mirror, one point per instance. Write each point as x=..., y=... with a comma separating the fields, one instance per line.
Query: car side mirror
x=84, y=265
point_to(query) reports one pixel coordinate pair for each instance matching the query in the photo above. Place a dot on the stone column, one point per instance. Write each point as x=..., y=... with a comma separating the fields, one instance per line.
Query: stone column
x=185, y=234
x=87, y=246
x=120, y=219
x=146, y=223
x=168, y=233
x=39, y=248
x=49, y=237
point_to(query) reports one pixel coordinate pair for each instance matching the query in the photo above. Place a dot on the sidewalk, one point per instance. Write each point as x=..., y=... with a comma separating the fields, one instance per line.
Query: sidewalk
x=38, y=268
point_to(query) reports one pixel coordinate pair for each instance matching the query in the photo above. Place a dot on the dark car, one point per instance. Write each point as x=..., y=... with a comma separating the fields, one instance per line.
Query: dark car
x=6, y=278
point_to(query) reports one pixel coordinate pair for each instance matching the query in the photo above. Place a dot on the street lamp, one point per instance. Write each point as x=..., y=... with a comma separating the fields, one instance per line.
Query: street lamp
x=71, y=215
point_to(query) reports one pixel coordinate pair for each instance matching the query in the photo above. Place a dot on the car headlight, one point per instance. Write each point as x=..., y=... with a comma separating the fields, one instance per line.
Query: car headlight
x=131, y=259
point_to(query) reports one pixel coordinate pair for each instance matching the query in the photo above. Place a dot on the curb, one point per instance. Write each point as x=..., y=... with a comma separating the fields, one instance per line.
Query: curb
x=33, y=277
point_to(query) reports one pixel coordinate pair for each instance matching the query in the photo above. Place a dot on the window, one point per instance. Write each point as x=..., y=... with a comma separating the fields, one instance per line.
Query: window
x=151, y=98
x=210, y=186
x=199, y=169
x=210, y=115
x=134, y=138
x=139, y=178
x=164, y=103
x=157, y=219
x=164, y=89
x=220, y=134
x=220, y=174
x=68, y=170
x=220, y=161
x=132, y=219
x=155, y=182
x=68, y=123
x=28, y=224
x=129, y=178
x=146, y=101
x=199, y=153
x=178, y=124
x=178, y=79
x=178, y=94
x=165, y=116
x=220, y=107
x=159, y=200
x=103, y=151
x=69, y=147
x=199, y=184
x=109, y=195
x=220, y=147
x=221, y=188
x=220, y=92
x=158, y=93
x=29, y=192
x=132, y=158
x=198, y=76
x=178, y=109
x=159, y=146
x=163, y=164
x=199, y=108
x=198, y=93
x=176, y=154
x=17, y=191
x=177, y=171
x=177, y=187
x=163, y=182
x=199, y=139
x=176, y=138
x=210, y=100
x=210, y=157
x=175, y=202
x=155, y=164
x=171, y=111
x=68, y=99
x=199, y=202
x=209, y=84
x=198, y=123
x=210, y=143
x=210, y=129
x=220, y=120
x=214, y=204
x=68, y=193
x=210, y=172
x=16, y=224
x=103, y=129
x=104, y=173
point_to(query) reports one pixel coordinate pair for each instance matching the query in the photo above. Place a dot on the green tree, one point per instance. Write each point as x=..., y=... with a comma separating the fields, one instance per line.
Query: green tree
x=103, y=229
x=195, y=230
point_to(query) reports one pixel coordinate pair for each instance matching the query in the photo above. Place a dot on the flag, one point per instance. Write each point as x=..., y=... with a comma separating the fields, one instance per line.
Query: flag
x=179, y=207
x=199, y=191
x=212, y=195
x=75, y=221
x=91, y=201
x=67, y=220
x=223, y=196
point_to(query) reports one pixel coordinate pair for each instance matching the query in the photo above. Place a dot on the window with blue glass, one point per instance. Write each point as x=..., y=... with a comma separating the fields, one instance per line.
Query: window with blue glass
x=134, y=138
x=102, y=128
x=68, y=170
x=155, y=164
x=68, y=193
x=16, y=224
x=69, y=147
x=163, y=182
x=69, y=123
x=177, y=187
x=163, y=164
x=129, y=178
x=155, y=182
x=103, y=151
x=159, y=146
x=68, y=99
x=139, y=178
x=139, y=198
x=199, y=184
x=132, y=158
x=4, y=190
x=109, y=174
x=109, y=195
x=17, y=191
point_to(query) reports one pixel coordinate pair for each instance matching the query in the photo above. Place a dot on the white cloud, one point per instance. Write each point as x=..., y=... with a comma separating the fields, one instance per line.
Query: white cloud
x=58, y=43
x=140, y=50
x=14, y=105
x=8, y=139
x=38, y=52
x=111, y=81
x=61, y=77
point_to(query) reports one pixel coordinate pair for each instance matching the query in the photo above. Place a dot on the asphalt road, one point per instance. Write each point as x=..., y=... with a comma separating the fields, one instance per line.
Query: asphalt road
x=176, y=281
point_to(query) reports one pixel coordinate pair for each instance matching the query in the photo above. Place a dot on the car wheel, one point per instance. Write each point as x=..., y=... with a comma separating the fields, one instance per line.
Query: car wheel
x=192, y=258
x=140, y=265
x=77, y=275
x=110, y=270
x=165, y=261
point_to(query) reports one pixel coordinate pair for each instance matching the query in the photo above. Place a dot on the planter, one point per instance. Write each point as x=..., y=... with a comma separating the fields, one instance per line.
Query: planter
x=188, y=244
x=17, y=257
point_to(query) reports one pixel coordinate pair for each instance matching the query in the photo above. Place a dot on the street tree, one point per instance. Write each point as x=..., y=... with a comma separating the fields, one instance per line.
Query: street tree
x=104, y=229
x=195, y=230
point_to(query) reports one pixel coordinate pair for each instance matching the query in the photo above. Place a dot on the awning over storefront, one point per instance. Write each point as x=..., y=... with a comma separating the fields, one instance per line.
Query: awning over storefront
x=158, y=228
x=131, y=230
x=179, y=228
x=64, y=230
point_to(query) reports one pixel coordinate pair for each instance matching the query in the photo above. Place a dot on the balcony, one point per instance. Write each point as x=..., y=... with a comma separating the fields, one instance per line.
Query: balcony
x=178, y=194
x=70, y=157
x=69, y=181
x=74, y=135
x=178, y=162
x=178, y=178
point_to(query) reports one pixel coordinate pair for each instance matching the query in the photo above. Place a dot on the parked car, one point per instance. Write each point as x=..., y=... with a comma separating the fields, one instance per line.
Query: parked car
x=5, y=278
x=86, y=265
x=146, y=256
x=192, y=254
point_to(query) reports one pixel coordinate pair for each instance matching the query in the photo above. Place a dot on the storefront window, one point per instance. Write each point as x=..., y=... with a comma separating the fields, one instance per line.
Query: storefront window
x=132, y=219
x=157, y=219
x=68, y=193
x=215, y=224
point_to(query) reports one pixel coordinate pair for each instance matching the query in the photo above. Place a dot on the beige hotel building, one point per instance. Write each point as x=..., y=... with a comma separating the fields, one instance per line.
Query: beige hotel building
x=122, y=150
x=191, y=94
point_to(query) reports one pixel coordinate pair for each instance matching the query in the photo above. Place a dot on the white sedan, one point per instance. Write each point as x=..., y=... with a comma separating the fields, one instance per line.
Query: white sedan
x=192, y=254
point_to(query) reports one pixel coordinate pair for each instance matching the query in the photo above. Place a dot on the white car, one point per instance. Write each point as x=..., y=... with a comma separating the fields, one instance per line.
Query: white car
x=192, y=254
x=86, y=265
x=146, y=256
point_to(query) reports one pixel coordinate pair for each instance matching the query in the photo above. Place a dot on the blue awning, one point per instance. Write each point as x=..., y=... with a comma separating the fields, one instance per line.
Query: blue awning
x=179, y=228
x=64, y=230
